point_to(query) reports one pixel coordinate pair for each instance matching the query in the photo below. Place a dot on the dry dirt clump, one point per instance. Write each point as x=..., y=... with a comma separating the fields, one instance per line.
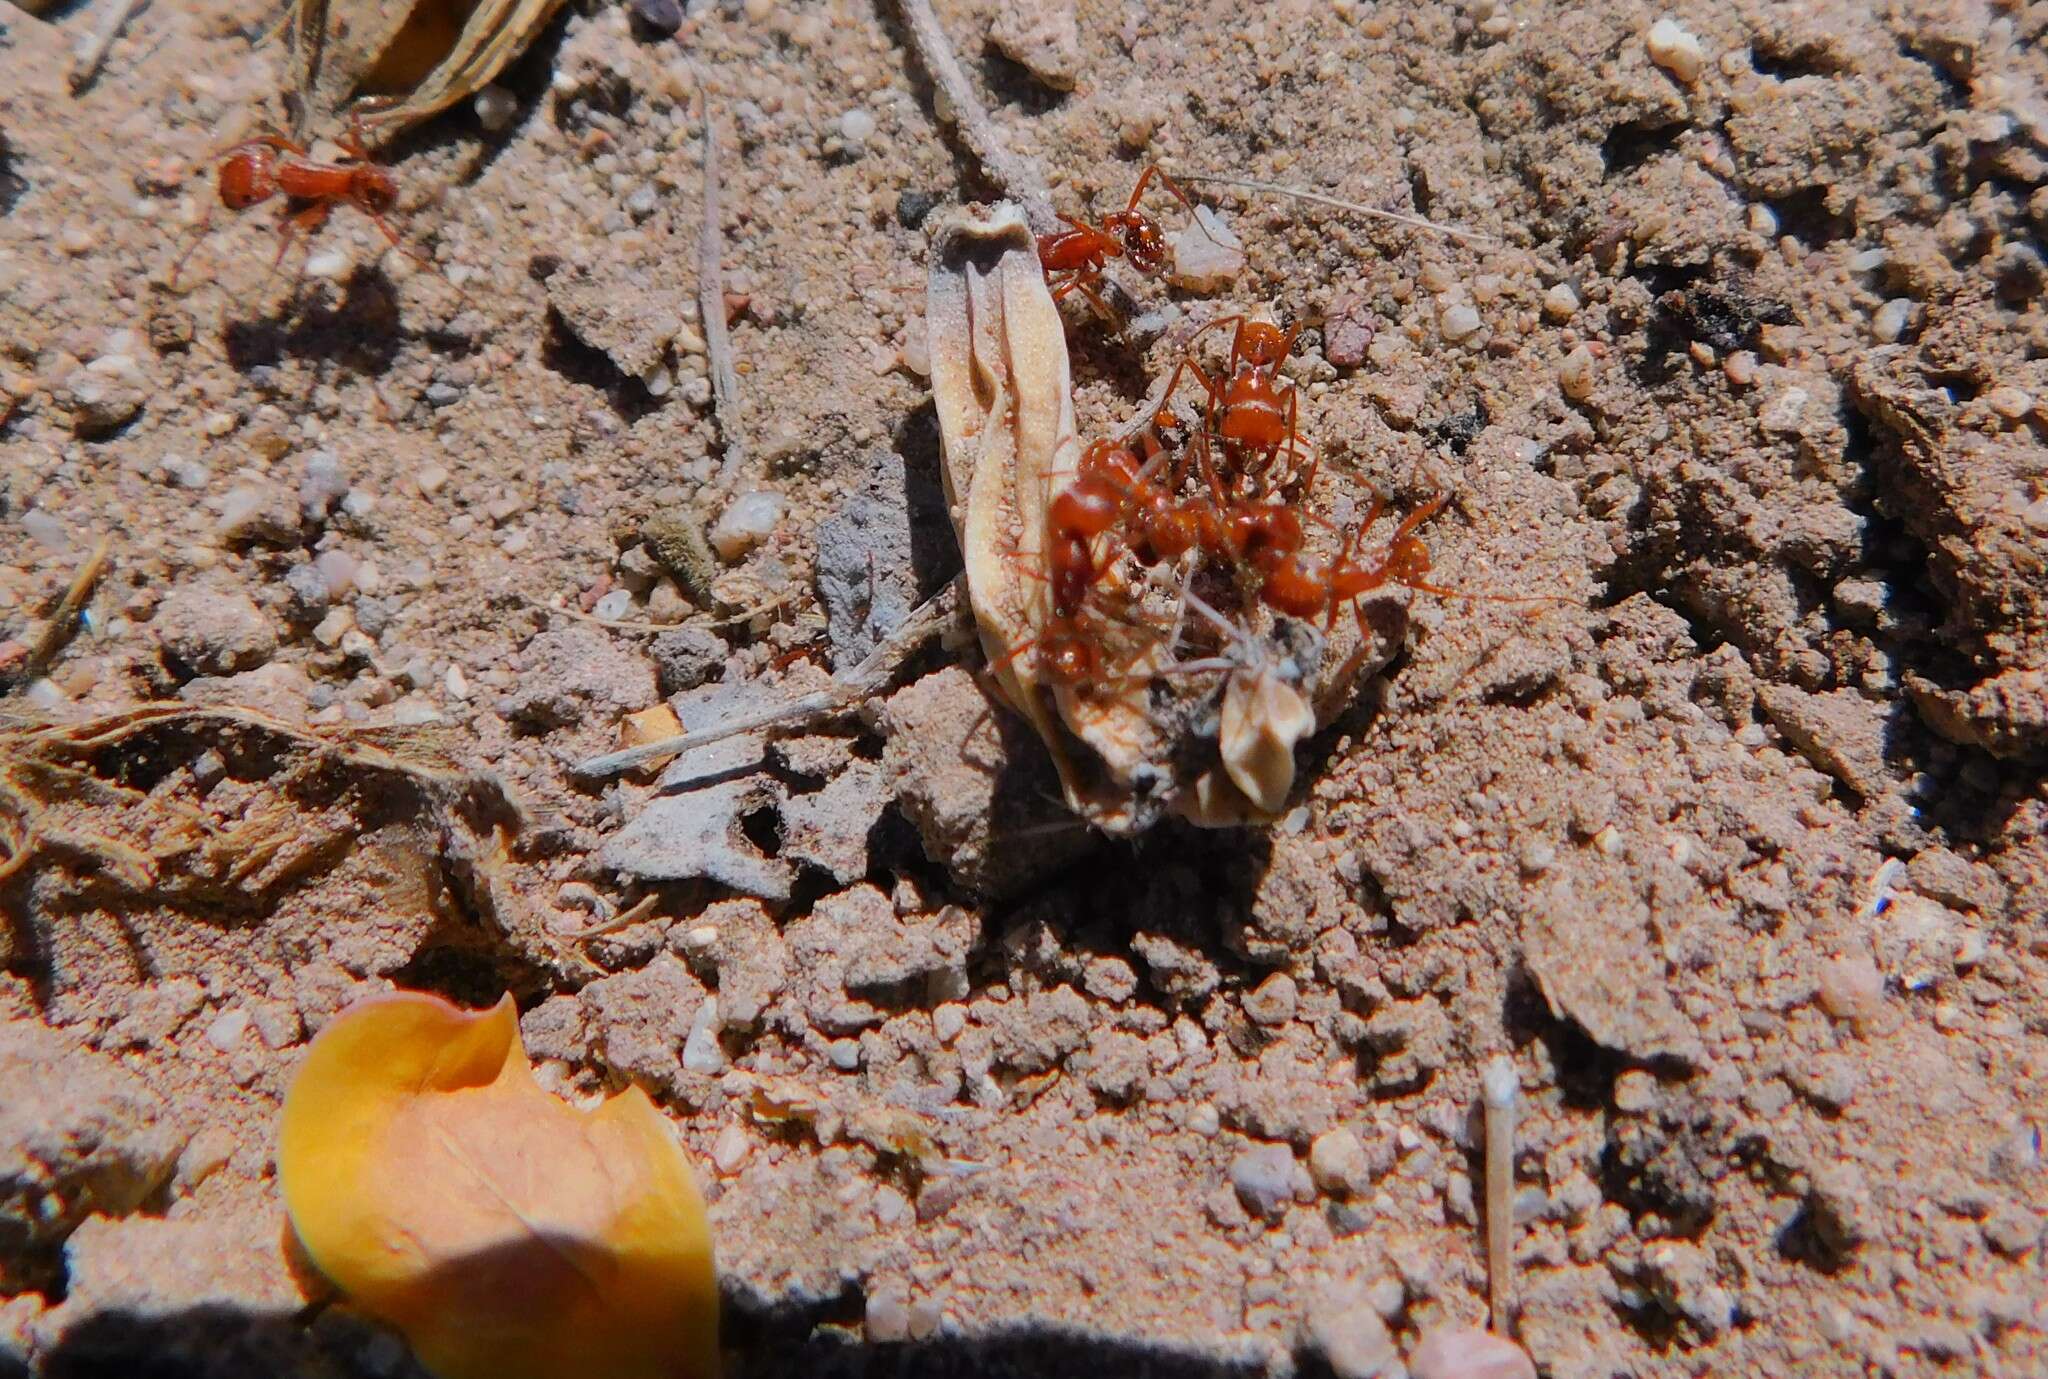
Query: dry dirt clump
x=1739, y=852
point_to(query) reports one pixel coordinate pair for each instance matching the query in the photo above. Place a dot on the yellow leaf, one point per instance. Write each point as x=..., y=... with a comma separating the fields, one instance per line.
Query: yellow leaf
x=505, y=1233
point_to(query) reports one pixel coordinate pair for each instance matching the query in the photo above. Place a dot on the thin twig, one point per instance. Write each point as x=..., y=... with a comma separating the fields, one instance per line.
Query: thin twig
x=1356, y=208
x=846, y=688
x=625, y=919
x=1018, y=177
x=64, y=620
x=725, y=380
x=85, y=64
x=1498, y=1086
x=636, y=625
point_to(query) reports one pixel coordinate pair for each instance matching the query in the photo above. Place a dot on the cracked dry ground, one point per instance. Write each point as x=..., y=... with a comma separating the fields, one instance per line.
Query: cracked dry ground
x=1760, y=385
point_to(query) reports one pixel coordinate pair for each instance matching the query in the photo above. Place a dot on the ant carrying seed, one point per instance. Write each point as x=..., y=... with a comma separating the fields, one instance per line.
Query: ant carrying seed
x=1075, y=257
x=266, y=166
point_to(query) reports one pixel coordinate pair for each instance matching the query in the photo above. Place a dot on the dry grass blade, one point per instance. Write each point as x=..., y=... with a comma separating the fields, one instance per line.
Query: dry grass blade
x=1019, y=179
x=1356, y=208
x=68, y=791
x=725, y=379
x=63, y=621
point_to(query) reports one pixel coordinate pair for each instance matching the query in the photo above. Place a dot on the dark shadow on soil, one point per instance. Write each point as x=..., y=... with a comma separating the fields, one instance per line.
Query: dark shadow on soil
x=361, y=333
x=762, y=1339
x=934, y=550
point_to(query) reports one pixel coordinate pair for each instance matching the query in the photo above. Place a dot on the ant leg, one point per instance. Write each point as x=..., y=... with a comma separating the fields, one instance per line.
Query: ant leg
x=1102, y=308
x=199, y=235
x=1188, y=365
x=1416, y=518
x=290, y=227
x=1151, y=171
x=354, y=144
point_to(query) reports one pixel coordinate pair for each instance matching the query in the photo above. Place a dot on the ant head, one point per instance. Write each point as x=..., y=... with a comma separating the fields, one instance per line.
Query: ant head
x=373, y=188
x=246, y=178
x=1262, y=344
x=1111, y=460
x=1143, y=242
x=1067, y=657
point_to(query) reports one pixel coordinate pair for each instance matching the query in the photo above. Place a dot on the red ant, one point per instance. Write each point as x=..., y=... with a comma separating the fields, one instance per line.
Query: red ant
x=1252, y=413
x=269, y=165
x=1081, y=251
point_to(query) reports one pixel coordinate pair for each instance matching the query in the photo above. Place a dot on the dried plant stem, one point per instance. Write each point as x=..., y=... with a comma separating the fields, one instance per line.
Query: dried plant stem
x=642, y=625
x=725, y=380
x=1356, y=208
x=92, y=53
x=848, y=687
x=1018, y=178
x=63, y=621
x=1499, y=1086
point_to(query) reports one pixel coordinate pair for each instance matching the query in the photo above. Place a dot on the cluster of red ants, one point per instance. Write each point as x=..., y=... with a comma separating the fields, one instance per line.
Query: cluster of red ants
x=1233, y=487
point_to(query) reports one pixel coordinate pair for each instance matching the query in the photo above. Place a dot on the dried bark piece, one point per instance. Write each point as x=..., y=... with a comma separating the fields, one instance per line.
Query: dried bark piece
x=1006, y=417
x=421, y=56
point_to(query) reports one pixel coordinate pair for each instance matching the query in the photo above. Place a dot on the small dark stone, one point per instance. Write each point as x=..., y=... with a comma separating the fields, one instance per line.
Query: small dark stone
x=685, y=657
x=374, y=615
x=309, y=592
x=913, y=207
x=656, y=18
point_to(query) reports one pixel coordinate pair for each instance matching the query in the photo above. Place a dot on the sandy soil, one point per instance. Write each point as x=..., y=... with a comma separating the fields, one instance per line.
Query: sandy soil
x=1759, y=390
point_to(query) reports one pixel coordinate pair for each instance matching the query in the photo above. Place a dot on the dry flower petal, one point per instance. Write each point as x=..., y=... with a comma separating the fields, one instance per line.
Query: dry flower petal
x=504, y=1232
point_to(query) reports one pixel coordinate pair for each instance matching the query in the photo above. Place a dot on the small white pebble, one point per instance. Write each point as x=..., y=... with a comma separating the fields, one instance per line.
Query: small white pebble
x=331, y=629
x=1460, y=322
x=430, y=479
x=1763, y=221
x=47, y=529
x=1575, y=374
x=729, y=1150
x=44, y=694
x=457, y=683
x=1869, y=261
x=328, y=263
x=2010, y=403
x=1205, y=1120
x=701, y=1050
x=77, y=239
x=856, y=126
x=1560, y=303
x=844, y=1053
x=227, y=1031
x=614, y=606
x=745, y=524
x=949, y=1021
x=218, y=424
x=1674, y=49
x=888, y=1320
x=496, y=108
x=1850, y=987
x=1459, y=1354
x=1740, y=368
x=338, y=569
x=1891, y=320
x=1207, y=254
x=658, y=381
